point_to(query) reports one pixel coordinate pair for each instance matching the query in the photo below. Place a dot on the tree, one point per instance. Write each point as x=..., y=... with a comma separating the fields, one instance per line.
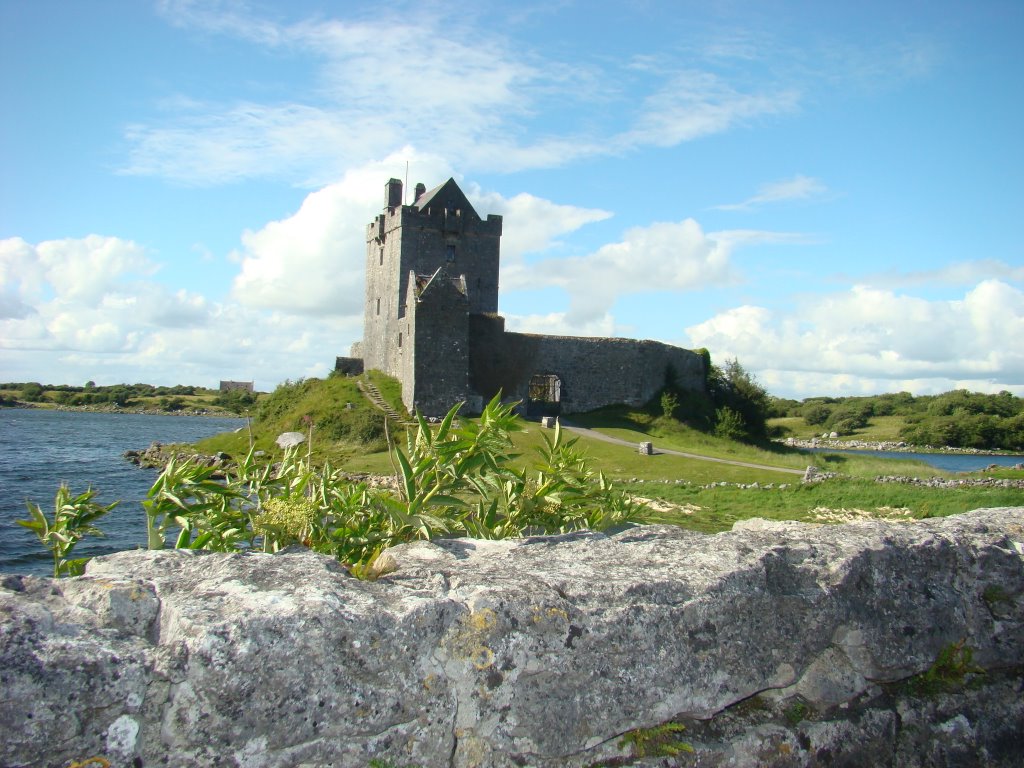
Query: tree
x=734, y=389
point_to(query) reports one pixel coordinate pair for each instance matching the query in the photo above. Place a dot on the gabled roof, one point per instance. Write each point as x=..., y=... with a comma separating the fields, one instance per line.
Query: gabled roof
x=447, y=195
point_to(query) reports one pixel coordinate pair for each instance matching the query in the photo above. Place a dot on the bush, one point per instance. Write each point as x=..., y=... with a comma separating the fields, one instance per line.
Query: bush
x=32, y=393
x=729, y=424
x=816, y=413
x=741, y=403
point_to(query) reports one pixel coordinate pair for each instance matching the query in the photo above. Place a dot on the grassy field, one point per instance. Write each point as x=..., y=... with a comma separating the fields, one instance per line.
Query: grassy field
x=677, y=485
x=879, y=428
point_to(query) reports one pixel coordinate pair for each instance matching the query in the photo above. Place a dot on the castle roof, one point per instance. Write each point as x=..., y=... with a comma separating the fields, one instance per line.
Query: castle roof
x=447, y=195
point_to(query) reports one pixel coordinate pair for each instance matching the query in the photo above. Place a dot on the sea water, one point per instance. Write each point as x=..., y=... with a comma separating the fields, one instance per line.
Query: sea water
x=40, y=449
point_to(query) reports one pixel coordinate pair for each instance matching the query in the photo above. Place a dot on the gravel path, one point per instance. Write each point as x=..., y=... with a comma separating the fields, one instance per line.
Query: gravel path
x=593, y=434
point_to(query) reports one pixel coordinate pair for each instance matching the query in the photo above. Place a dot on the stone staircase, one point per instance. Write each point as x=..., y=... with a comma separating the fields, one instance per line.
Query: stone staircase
x=370, y=391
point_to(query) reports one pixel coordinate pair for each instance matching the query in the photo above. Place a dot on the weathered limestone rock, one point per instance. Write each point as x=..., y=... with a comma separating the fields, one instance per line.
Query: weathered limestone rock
x=776, y=644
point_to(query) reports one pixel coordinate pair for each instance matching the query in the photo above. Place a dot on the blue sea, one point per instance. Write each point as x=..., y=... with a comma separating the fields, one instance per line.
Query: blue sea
x=947, y=462
x=40, y=449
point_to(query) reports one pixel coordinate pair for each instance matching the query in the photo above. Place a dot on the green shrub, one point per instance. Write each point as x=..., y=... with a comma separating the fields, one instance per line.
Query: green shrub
x=73, y=519
x=456, y=478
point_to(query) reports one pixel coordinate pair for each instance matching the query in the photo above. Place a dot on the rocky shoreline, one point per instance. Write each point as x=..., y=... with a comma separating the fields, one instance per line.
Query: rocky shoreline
x=883, y=445
x=157, y=456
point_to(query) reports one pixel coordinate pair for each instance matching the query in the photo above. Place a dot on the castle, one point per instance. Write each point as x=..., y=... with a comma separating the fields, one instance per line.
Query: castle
x=431, y=322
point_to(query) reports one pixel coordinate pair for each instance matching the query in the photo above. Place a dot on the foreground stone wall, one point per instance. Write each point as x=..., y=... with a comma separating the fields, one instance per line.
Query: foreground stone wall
x=776, y=644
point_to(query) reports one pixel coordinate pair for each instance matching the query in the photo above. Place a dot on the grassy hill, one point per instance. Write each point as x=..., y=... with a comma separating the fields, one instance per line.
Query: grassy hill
x=340, y=423
x=699, y=493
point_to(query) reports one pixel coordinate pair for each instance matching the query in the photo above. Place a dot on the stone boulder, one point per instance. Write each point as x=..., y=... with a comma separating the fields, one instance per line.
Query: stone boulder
x=779, y=644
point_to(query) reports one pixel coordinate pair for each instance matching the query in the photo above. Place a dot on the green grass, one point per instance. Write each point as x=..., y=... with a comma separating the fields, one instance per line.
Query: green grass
x=345, y=424
x=675, y=480
x=716, y=509
x=879, y=429
x=637, y=426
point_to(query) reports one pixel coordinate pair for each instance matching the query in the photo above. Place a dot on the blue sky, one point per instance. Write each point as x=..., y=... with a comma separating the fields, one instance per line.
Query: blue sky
x=832, y=193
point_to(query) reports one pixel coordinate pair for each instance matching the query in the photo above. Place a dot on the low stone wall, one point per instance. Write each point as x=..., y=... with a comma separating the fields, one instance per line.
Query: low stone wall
x=777, y=644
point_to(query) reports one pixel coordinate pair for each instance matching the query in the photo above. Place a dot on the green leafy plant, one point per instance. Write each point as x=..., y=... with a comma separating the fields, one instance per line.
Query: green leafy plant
x=187, y=495
x=658, y=741
x=669, y=403
x=73, y=519
x=456, y=477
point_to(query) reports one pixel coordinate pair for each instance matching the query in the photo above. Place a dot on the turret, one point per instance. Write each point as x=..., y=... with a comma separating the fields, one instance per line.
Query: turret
x=394, y=193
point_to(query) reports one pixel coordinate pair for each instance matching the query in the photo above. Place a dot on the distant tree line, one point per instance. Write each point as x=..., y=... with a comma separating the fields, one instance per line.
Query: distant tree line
x=125, y=395
x=957, y=418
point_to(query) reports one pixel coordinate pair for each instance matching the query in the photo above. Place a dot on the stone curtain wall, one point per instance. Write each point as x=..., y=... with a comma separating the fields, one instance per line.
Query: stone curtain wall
x=594, y=371
x=777, y=644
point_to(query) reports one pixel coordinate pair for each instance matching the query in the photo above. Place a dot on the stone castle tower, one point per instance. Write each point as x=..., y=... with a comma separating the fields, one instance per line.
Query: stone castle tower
x=429, y=266
x=431, y=321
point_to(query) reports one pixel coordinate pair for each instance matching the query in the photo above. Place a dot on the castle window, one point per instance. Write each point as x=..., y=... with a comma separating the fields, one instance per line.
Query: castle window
x=378, y=306
x=382, y=257
x=399, y=338
x=450, y=253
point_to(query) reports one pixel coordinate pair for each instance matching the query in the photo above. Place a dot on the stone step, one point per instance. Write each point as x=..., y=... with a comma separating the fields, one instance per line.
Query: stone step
x=369, y=389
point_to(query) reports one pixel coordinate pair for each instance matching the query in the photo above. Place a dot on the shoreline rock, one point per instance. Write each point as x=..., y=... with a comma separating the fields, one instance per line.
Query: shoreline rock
x=157, y=456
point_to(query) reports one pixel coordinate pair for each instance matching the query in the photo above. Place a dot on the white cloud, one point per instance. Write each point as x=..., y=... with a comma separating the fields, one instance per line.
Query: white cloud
x=964, y=273
x=693, y=104
x=797, y=188
x=79, y=270
x=369, y=97
x=81, y=309
x=532, y=224
x=558, y=324
x=666, y=256
x=877, y=340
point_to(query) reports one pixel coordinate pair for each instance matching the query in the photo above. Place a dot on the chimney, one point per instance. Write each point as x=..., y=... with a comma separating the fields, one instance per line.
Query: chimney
x=394, y=193
x=421, y=190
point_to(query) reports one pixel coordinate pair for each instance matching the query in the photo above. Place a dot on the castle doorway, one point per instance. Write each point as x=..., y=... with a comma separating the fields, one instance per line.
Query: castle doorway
x=544, y=397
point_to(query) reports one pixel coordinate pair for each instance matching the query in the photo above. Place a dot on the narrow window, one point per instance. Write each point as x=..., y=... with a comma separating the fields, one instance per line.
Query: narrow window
x=399, y=338
x=382, y=257
x=450, y=253
x=378, y=306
